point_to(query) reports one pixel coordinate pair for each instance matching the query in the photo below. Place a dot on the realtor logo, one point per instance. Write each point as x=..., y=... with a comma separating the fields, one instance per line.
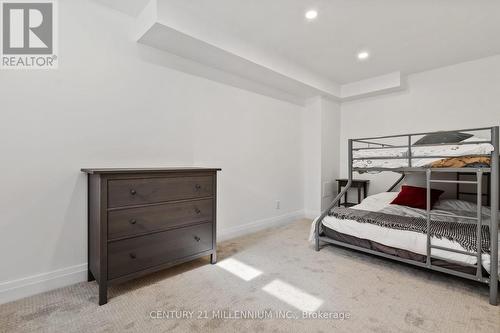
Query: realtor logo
x=28, y=34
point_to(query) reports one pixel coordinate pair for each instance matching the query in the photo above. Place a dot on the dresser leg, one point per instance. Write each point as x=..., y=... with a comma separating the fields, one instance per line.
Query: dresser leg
x=213, y=258
x=103, y=293
x=90, y=276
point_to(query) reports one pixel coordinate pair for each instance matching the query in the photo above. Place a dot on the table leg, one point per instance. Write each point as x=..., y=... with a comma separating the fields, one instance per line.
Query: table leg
x=359, y=194
x=339, y=188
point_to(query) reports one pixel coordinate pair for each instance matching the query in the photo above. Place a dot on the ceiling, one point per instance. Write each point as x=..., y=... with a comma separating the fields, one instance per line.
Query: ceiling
x=401, y=35
x=130, y=7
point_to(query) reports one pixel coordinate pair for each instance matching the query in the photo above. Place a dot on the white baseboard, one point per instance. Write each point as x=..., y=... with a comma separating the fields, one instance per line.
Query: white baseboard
x=36, y=284
x=241, y=230
x=310, y=214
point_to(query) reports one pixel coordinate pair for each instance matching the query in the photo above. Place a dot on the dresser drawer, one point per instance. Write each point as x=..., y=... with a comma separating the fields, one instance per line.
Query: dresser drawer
x=126, y=192
x=135, y=221
x=135, y=254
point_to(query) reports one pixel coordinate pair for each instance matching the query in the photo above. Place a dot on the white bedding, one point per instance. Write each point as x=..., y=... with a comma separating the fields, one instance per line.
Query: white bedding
x=407, y=240
x=444, y=150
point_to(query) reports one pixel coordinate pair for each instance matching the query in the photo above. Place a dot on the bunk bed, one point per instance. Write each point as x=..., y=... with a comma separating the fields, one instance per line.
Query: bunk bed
x=455, y=237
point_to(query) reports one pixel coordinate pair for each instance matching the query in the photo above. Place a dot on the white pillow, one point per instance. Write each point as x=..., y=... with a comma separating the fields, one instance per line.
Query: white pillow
x=459, y=205
x=377, y=201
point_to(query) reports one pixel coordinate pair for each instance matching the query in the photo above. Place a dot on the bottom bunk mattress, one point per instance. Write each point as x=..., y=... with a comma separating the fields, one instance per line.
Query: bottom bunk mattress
x=411, y=244
x=368, y=244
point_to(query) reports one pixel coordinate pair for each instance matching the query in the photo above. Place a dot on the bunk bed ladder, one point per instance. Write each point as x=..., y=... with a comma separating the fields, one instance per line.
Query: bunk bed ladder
x=428, y=174
x=479, y=203
x=478, y=219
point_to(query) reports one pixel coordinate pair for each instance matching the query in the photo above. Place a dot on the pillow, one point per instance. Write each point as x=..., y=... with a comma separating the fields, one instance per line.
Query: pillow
x=416, y=197
x=443, y=137
x=377, y=201
x=455, y=205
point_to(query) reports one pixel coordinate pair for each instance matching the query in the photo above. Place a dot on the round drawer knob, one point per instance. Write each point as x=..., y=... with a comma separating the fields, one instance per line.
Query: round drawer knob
x=196, y=238
x=133, y=256
x=197, y=211
x=197, y=186
x=133, y=221
x=133, y=192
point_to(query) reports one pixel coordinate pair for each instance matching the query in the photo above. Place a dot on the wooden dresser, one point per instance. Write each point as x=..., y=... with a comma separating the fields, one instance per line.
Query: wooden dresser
x=144, y=220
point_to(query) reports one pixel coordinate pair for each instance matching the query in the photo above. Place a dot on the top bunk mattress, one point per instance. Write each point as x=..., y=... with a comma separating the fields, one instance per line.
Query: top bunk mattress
x=457, y=156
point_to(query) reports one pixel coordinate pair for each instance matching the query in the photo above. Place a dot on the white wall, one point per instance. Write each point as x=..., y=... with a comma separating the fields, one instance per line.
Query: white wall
x=321, y=127
x=330, y=150
x=466, y=95
x=107, y=105
x=312, y=129
x=257, y=143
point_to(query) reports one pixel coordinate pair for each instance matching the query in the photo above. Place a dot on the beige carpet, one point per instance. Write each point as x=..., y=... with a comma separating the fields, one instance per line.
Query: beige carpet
x=278, y=271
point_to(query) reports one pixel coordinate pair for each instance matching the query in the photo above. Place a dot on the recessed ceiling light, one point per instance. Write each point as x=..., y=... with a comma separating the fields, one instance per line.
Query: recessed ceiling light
x=363, y=55
x=311, y=14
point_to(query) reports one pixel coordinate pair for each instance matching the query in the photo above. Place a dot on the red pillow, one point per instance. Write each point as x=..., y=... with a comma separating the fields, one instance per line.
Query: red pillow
x=416, y=197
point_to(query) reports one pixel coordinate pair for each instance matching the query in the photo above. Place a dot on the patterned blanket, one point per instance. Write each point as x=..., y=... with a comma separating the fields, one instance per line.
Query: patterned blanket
x=462, y=162
x=462, y=233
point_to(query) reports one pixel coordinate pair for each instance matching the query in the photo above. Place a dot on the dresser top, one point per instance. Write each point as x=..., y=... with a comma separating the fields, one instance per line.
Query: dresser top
x=145, y=170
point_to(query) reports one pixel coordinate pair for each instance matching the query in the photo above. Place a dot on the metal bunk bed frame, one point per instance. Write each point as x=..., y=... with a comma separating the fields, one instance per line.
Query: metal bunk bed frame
x=493, y=170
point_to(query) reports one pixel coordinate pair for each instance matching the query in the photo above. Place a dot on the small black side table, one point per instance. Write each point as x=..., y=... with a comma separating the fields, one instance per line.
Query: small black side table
x=356, y=183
